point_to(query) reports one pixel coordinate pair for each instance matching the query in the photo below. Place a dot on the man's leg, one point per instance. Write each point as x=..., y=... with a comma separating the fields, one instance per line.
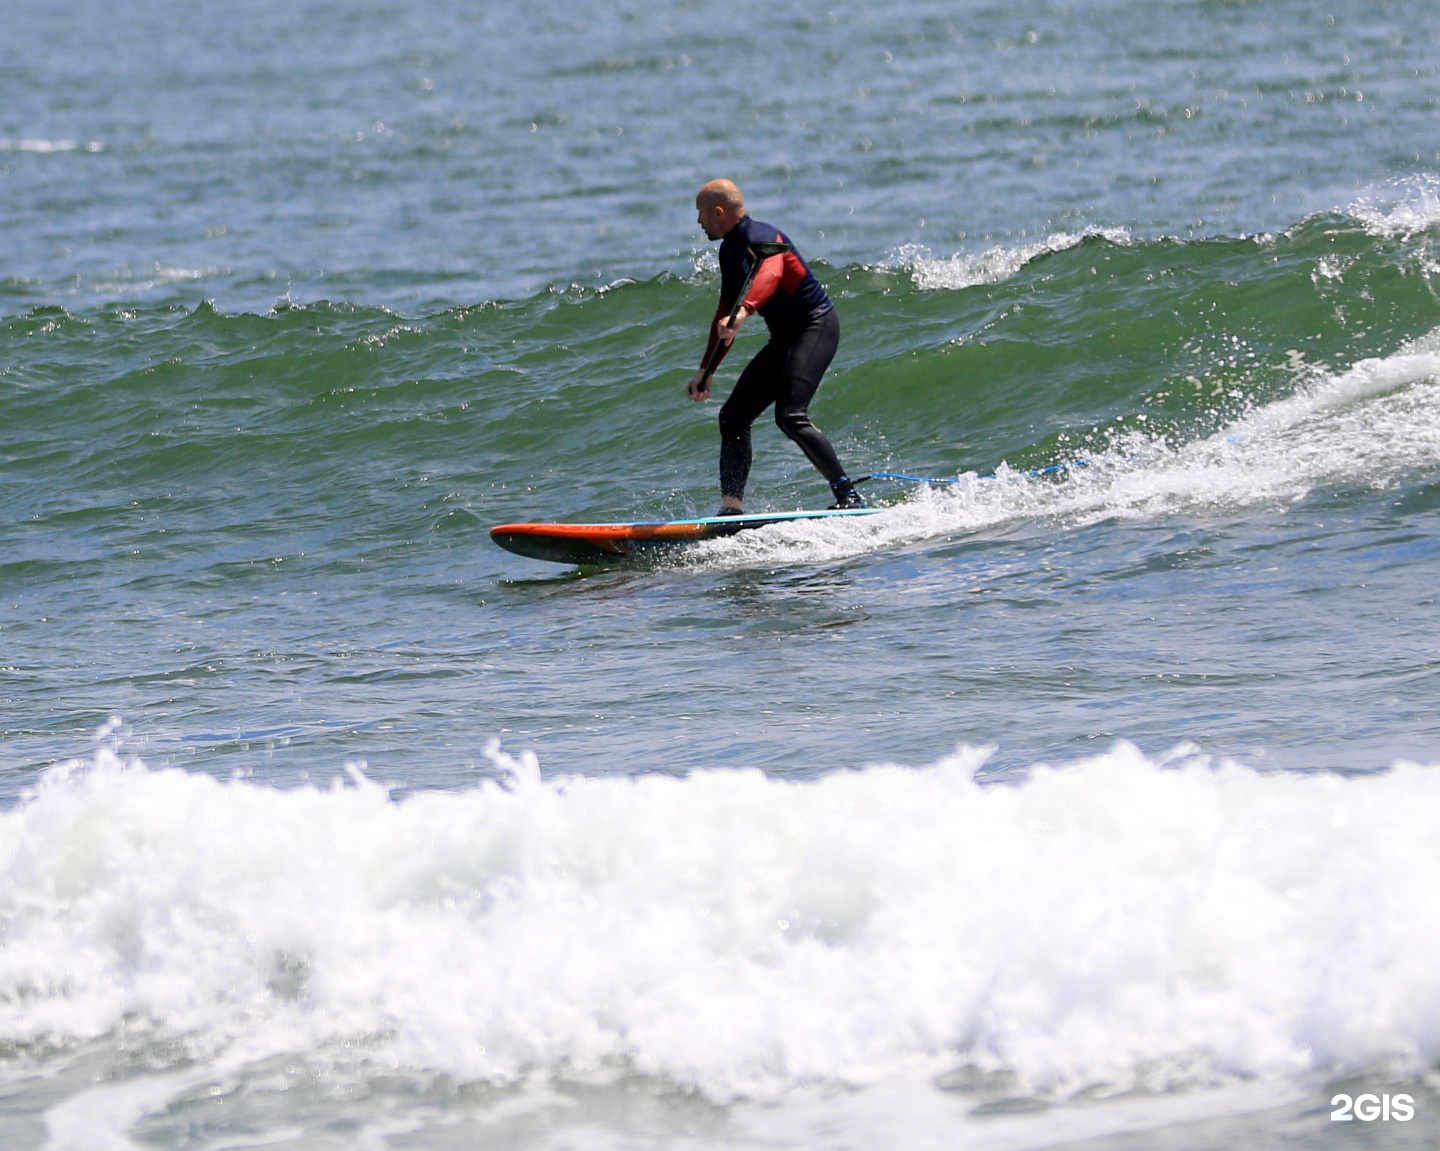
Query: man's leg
x=754, y=392
x=809, y=356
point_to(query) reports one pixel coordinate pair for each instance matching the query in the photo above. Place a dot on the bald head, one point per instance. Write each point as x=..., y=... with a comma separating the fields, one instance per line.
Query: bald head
x=721, y=192
x=721, y=206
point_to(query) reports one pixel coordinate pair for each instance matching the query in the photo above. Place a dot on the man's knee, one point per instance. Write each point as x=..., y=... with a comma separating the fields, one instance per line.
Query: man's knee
x=791, y=421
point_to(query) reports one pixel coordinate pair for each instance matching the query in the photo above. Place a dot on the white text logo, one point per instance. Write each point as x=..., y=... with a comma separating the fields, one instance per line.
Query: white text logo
x=1368, y=1108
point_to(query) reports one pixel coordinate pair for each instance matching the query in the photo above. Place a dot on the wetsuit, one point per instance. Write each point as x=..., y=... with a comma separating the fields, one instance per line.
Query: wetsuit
x=804, y=333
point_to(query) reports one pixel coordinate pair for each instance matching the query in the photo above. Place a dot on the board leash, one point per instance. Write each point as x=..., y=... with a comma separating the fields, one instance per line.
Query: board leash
x=1050, y=469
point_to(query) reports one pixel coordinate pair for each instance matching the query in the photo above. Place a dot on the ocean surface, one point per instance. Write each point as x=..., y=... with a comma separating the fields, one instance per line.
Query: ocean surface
x=1089, y=796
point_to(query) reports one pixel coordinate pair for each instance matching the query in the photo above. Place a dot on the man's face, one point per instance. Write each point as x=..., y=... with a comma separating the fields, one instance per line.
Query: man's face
x=716, y=219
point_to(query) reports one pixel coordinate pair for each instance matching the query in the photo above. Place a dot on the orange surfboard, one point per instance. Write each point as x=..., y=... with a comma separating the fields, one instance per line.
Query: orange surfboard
x=599, y=543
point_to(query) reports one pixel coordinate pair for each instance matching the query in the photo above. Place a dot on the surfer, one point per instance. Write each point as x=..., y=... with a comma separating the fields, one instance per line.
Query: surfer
x=804, y=333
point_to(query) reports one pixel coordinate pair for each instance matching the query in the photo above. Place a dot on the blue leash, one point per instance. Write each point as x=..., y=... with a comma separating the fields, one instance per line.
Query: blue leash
x=1045, y=471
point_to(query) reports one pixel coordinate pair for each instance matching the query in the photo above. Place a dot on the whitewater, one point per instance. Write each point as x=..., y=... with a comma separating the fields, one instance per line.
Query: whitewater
x=1117, y=927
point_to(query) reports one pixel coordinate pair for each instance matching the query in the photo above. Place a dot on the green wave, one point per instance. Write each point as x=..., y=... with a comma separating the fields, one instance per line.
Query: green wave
x=573, y=399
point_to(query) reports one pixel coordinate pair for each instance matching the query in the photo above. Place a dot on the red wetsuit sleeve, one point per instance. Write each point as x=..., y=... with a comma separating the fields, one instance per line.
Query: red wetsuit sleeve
x=784, y=271
x=766, y=282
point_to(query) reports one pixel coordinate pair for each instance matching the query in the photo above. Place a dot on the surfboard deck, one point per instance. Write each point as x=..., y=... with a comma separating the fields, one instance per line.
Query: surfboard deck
x=599, y=543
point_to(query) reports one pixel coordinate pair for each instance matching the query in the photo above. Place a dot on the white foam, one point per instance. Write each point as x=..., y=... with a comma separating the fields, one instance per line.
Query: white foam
x=1399, y=209
x=907, y=1112
x=45, y=147
x=1373, y=424
x=100, y=1118
x=1117, y=924
x=995, y=264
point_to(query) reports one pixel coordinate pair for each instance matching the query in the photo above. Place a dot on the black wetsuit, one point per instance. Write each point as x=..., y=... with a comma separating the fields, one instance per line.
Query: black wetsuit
x=804, y=333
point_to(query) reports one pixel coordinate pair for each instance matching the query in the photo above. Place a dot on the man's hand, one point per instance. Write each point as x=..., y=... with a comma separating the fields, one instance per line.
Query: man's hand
x=699, y=386
x=728, y=331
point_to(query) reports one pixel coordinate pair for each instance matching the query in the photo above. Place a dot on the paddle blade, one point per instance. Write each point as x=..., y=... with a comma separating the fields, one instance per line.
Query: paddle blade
x=764, y=249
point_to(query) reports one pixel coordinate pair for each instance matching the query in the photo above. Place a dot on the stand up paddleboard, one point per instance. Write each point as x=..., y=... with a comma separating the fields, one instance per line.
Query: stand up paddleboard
x=598, y=543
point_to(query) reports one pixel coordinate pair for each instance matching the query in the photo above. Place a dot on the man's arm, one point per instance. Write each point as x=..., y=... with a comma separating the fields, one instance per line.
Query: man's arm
x=722, y=333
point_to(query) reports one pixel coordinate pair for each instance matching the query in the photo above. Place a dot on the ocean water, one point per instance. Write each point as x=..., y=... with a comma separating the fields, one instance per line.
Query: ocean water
x=1087, y=797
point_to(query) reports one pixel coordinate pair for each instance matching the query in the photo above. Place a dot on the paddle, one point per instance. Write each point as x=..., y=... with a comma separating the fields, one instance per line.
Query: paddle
x=760, y=251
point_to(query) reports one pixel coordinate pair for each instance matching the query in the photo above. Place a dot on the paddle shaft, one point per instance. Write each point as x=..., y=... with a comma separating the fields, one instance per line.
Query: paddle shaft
x=760, y=251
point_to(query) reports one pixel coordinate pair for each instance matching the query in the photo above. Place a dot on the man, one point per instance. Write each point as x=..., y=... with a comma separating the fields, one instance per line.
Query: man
x=804, y=333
